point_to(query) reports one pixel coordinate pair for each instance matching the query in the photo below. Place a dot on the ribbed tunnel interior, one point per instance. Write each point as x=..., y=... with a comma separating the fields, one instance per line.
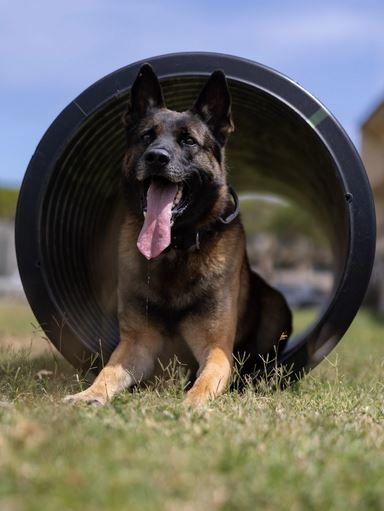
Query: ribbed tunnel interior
x=272, y=150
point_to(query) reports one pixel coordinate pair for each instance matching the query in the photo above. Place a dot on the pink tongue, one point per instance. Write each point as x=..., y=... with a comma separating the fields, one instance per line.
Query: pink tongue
x=155, y=235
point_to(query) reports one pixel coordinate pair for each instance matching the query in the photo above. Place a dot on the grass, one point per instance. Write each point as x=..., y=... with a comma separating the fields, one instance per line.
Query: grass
x=319, y=445
x=16, y=319
x=8, y=201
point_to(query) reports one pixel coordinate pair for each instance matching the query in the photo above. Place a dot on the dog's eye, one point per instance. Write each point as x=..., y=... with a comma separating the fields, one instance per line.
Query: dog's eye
x=147, y=137
x=187, y=140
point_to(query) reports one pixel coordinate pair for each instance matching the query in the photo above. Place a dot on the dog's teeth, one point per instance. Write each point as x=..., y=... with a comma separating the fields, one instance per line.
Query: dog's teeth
x=145, y=213
x=178, y=196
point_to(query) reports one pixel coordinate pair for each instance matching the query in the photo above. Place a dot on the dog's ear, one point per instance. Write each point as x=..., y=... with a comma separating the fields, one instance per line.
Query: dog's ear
x=214, y=106
x=146, y=93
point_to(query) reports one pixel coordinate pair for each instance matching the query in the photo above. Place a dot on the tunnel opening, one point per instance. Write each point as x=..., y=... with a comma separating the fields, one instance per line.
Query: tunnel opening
x=71, y=199
x=287, y=248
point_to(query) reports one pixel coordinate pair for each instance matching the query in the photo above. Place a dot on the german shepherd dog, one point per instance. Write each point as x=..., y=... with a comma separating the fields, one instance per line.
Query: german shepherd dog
x=185, y=287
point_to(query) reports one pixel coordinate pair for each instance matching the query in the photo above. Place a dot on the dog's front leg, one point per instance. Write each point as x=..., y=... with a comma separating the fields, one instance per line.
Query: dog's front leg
x=213, y=347
x=131, y=362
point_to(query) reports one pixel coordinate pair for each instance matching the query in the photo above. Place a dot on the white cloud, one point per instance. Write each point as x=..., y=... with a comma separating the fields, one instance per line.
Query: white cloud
x=42, y=43
x=50, y=51
x=325, y=26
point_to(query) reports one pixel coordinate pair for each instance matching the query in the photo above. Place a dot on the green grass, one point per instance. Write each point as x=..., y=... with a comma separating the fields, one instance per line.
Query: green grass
x=317, y=445
x=8, y=201
x=16, y=319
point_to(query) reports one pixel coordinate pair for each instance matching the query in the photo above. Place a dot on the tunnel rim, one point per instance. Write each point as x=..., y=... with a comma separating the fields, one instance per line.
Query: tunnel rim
x=178, y=65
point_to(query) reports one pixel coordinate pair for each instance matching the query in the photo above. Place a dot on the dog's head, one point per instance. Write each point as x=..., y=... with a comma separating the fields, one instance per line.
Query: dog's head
x=176, y=159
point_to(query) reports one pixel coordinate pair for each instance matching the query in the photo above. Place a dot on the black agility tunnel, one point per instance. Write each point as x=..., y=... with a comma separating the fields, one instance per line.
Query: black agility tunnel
x=285, y=142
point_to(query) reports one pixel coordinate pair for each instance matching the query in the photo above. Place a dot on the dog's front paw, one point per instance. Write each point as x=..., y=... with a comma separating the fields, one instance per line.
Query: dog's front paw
x=87, y=396
x=196, y=399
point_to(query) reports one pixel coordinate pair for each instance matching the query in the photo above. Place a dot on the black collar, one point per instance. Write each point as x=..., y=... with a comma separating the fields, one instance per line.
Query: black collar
x=191, y=239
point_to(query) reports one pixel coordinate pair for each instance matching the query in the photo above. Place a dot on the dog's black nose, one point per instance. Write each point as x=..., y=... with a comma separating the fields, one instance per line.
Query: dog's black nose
x=157, y=157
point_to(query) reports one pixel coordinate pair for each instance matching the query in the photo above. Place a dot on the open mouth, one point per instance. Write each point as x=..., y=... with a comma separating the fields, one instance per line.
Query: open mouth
x=162, y=201
x=181, y=197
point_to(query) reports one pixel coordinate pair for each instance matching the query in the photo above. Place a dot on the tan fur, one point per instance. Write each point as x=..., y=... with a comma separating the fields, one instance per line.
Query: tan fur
x=199, y=305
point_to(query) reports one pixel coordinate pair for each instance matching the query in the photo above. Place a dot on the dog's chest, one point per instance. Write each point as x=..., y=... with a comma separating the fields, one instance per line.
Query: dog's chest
x=176, y=285
x=167, y=290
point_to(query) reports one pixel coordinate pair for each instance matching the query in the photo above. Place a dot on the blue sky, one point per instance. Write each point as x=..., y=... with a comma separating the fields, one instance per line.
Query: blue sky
x=51, y=51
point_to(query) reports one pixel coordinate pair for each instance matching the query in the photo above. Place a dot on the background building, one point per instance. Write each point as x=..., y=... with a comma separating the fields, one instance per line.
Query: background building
x=373, y=157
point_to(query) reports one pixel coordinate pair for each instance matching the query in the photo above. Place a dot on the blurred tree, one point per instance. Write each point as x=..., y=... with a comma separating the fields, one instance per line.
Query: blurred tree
x=282, y=219
x=8, y=202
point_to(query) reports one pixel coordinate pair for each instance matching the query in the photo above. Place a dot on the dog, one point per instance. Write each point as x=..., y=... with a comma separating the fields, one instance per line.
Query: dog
x=185, y=287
